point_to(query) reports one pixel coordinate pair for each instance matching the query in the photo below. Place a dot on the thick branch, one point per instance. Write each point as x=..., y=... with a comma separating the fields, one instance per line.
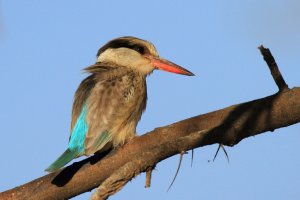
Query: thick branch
x=227, y=126
x=273, y=68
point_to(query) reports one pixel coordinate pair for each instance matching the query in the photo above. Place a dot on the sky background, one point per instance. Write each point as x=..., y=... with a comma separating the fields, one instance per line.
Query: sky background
x=44, y=46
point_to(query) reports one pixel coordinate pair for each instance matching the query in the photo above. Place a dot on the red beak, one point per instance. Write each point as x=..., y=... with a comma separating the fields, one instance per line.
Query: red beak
x=162, y=64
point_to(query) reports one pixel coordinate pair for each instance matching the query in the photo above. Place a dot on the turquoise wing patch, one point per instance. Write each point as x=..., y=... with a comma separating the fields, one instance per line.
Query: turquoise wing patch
x=76, y=144
x=79, y=132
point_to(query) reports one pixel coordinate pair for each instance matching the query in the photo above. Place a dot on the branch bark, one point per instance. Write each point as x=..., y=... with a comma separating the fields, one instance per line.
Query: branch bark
x=111, y=172
x=276, y=74
x=227, y=126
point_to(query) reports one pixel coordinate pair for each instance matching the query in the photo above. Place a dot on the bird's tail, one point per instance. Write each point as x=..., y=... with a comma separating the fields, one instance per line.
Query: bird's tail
x=66, y=157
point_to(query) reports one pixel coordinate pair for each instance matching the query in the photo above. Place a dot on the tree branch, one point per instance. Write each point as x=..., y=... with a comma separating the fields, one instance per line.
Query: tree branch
x=227, y=126
x=266, y=53
x=111, y=172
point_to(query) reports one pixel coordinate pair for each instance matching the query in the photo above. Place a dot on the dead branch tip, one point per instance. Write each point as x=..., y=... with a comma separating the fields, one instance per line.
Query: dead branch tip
x=276, y=74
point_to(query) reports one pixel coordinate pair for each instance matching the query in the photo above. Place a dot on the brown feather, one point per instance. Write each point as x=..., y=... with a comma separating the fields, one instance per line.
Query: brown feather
x=115, y=105
x=84, y=89
x=116, y=98
x=80, y=96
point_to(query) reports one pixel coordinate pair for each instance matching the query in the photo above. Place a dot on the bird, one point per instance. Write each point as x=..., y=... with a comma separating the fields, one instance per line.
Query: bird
x=109, y=102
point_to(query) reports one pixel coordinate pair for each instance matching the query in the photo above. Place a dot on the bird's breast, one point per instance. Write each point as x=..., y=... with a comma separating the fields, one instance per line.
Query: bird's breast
x=117, y=103
x=133, y=100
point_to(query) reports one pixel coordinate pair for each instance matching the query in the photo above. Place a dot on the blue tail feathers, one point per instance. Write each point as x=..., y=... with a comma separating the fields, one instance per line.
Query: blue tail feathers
x=76, y=144
x=66, y=157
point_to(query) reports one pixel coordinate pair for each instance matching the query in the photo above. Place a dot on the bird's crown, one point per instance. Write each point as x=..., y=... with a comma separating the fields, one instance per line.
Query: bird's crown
x=139, y=45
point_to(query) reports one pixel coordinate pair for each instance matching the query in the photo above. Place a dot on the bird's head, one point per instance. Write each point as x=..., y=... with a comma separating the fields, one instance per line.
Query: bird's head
x=136, y=54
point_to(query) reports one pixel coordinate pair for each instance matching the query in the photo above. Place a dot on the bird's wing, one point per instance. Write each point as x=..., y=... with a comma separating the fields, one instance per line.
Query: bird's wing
x=79, y=124
x=76, y=144
x=84, y=90
x=81, y=95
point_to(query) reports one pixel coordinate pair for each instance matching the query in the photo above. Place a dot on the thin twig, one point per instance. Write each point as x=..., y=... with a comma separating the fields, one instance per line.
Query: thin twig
x=192, y=159
x=266, y=53
x=217, y=152
x=179, y=164
x=226, y=154
x=223, y=148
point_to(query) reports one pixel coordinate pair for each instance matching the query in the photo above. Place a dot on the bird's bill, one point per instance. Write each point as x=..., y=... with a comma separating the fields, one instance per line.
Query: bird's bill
x=163, y=64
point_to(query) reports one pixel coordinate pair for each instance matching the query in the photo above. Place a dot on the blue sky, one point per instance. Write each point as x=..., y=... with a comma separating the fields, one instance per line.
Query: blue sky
x=44, y=46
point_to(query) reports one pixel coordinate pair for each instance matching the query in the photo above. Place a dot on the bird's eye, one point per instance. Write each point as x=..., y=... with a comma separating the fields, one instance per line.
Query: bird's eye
x=139, y=49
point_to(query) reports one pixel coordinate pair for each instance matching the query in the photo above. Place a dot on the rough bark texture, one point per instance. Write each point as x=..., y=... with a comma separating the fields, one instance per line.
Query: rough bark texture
x=227, y=126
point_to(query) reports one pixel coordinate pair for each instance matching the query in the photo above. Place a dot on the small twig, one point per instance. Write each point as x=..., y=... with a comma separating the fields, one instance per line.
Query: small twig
x=217, y=152
x=223, y=148
x=192, y=159
x=179, y=164
x=148, y=176
x=266, y=53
